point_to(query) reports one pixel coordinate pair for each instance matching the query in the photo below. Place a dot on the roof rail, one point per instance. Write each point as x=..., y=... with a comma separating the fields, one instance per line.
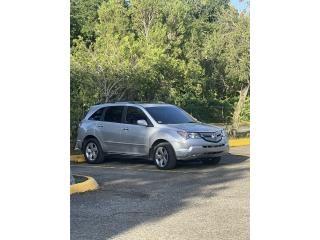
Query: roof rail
x=132, y=102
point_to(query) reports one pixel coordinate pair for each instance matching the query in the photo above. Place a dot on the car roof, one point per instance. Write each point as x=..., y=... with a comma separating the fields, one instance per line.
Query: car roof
x=132, y=104
x=155, y=104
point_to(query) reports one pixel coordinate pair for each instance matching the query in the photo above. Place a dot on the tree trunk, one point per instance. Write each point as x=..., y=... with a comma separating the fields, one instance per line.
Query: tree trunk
x=238, y=110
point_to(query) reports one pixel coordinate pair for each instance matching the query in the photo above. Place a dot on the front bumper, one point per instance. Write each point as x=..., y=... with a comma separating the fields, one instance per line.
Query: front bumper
x=200, y=149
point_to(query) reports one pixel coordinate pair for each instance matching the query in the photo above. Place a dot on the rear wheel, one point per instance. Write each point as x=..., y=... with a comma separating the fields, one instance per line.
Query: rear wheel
x=164, y=156
x=92, y=151
x=213, y=161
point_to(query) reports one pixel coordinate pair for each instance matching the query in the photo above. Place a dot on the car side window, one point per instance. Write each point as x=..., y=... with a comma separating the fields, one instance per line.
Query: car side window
x=97, y=115
x=113, y=114
x=134, y=114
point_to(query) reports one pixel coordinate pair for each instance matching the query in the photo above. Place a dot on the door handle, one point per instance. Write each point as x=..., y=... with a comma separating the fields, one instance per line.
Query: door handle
x=125, y=129
x=100, y=126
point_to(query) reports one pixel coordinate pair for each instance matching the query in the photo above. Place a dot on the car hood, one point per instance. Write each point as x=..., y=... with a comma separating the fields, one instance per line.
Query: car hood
x=195, y=127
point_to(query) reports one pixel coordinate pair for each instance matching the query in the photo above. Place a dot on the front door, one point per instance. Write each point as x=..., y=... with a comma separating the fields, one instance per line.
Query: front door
x=134, y=136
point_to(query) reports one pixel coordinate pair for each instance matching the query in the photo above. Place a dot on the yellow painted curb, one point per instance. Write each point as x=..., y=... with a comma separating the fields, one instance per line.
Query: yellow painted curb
x=239, y=142
x=77, y=158
x=88, y=185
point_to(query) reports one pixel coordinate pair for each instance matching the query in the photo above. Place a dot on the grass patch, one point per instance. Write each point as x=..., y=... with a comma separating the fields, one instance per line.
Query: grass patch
x=79, y=179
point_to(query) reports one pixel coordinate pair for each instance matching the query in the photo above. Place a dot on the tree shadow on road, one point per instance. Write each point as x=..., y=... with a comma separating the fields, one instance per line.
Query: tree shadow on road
x=128, y=198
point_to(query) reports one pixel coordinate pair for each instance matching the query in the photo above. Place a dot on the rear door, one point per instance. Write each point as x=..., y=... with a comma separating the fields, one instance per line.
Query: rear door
x=110, y=129
x=134, y=136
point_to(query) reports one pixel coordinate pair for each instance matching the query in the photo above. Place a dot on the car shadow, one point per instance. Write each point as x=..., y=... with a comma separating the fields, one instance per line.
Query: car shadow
x=194, y=163
x=129, y=198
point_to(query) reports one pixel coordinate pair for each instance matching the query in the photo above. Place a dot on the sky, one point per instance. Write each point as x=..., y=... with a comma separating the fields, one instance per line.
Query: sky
x=240, y=5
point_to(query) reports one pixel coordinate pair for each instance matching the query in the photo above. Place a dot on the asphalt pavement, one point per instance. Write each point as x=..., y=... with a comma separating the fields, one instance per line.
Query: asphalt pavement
x=137, y=201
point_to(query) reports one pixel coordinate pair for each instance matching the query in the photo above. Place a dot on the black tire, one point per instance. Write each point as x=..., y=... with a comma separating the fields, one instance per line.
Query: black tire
x=99, y=156
x=212, y=161
x=171, y=162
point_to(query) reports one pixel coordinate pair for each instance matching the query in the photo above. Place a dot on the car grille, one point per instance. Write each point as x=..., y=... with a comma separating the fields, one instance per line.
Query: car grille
x=214, y=146
x=212, y=136
x=208, y=153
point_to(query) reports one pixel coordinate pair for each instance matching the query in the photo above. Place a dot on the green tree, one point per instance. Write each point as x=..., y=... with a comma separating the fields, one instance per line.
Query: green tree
x=191, y=53
x=83, y=17
x=227, y=53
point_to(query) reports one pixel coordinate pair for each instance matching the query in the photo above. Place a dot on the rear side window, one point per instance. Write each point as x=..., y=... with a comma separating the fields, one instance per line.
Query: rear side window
x=134, y=114
x=113, y=114
x=97, y=115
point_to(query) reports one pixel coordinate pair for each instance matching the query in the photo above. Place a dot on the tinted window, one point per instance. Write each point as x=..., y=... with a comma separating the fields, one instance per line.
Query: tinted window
x=113, y=114
x=97, y=115
x=169, y=115
x=134, y=114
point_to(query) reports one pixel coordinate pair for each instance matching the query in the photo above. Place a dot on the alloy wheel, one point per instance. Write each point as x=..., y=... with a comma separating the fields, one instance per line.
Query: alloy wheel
x=91, y=151
x=161, y=157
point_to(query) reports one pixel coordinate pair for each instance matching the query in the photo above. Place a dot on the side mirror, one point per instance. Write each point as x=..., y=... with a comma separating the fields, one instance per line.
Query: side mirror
x=142, y=123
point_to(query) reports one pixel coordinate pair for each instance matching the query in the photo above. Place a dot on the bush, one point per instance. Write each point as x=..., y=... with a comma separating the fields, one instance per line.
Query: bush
x=213, y=111
x=245, y=114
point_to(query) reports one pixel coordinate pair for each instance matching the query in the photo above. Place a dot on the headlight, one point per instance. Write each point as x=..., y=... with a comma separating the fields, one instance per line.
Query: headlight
x=187, y=135
x=194, y=135
x=224, y=133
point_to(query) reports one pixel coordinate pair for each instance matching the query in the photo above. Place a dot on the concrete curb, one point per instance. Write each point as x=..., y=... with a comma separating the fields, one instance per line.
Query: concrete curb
x=232, y=143
x=88, y=185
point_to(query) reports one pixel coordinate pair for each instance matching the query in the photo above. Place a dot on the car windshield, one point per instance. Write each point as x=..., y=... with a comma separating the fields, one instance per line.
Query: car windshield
x=169, y=115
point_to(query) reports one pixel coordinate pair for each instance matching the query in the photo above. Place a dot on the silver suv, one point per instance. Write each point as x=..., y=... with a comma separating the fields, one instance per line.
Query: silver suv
x=161, y=132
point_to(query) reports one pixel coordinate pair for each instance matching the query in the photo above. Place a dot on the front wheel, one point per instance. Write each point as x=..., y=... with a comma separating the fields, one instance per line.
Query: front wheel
x=164, y=156
x=92, y=151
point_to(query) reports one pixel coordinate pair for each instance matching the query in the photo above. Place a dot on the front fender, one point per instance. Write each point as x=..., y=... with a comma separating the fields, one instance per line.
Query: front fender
x=168, y=135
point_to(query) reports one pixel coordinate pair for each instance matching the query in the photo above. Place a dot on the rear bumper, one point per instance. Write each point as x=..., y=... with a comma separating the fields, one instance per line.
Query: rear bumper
x=78, y=145
x=203, y=150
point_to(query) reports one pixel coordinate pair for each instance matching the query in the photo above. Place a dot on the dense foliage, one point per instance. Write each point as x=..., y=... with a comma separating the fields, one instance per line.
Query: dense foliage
x=188, y=52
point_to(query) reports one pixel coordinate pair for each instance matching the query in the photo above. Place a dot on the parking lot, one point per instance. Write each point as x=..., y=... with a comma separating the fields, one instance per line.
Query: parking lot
x=137, y=201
